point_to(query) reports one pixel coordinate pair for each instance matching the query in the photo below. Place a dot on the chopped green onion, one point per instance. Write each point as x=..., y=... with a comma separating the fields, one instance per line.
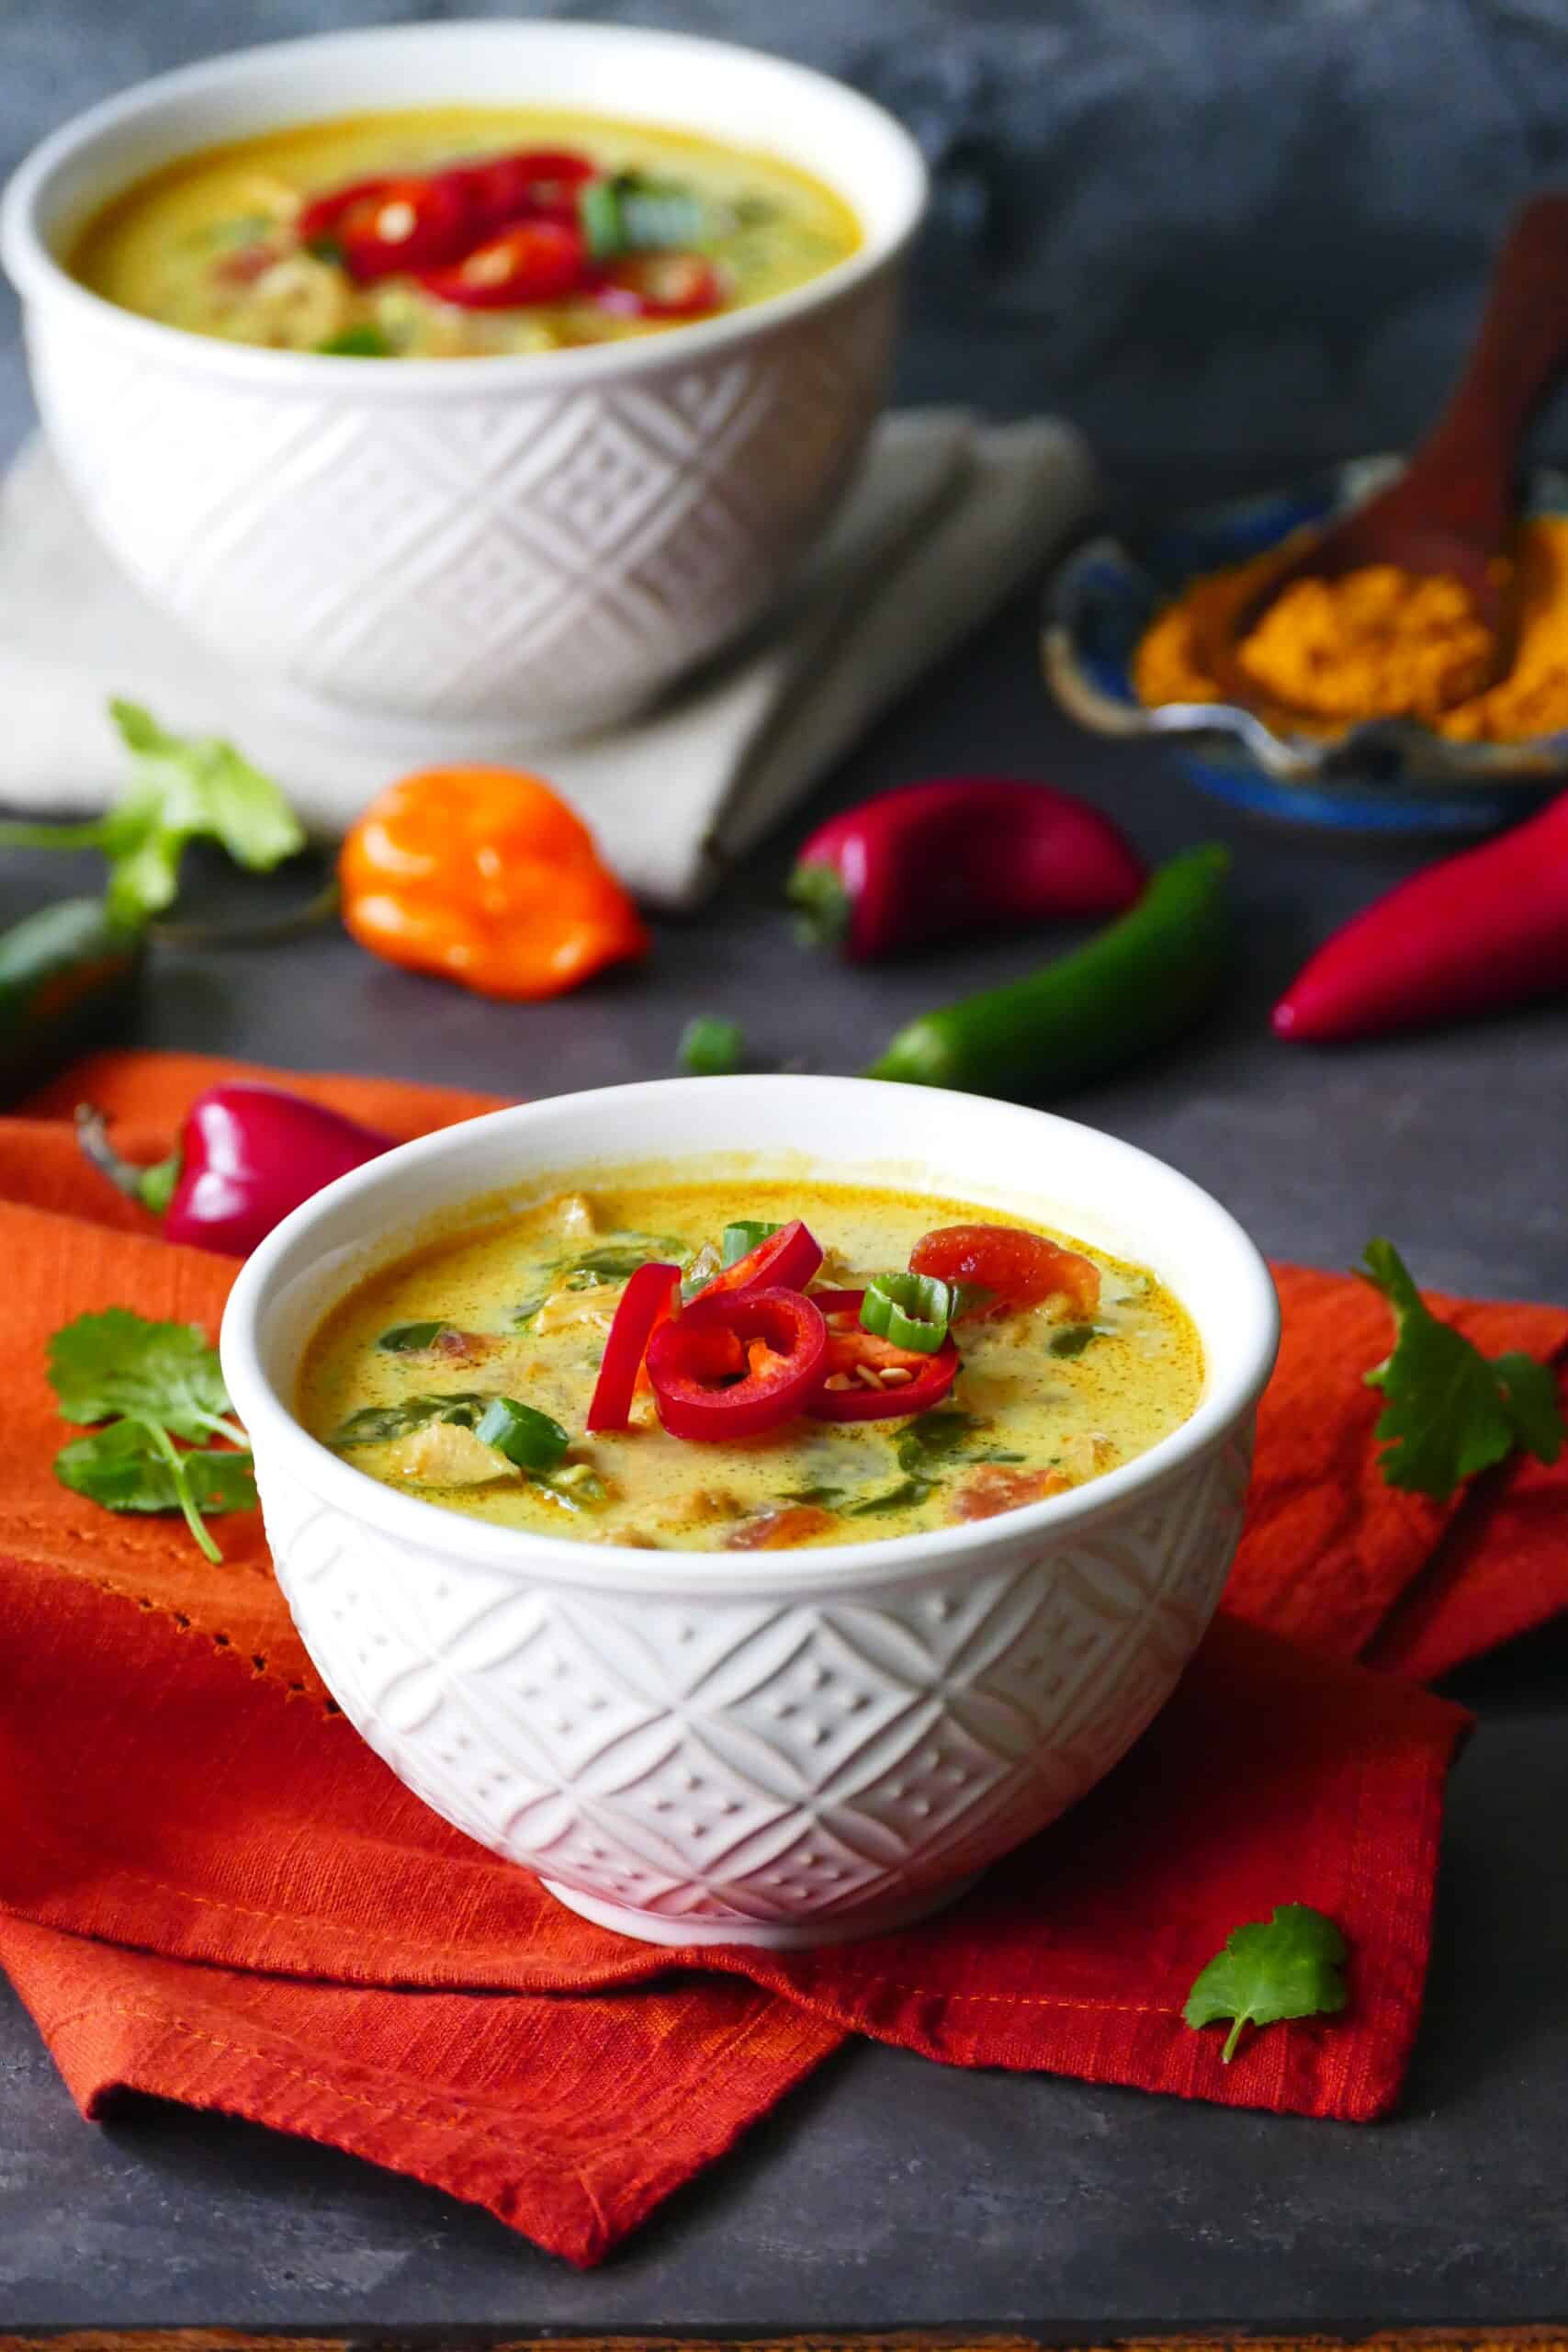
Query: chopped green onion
x=628, y=214
x=527, y=1438
x=1072, y=1338
x=747, y=1233
x=578, y=1488
x=912, y=1310
x=356, y=343
x=711, y=1048
x=411, y=1339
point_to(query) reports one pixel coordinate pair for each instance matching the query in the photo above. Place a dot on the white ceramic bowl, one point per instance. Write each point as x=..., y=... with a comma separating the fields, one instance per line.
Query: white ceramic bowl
x=548, y=538
x=772, y=1747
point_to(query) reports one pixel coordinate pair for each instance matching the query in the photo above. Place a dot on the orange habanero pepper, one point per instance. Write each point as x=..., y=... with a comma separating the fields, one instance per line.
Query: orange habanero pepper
x=483, y=875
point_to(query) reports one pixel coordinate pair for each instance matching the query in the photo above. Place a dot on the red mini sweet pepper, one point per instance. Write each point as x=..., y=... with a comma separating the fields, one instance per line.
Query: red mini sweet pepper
x=1470, y=935
x=957, y=855
x=247, y=1155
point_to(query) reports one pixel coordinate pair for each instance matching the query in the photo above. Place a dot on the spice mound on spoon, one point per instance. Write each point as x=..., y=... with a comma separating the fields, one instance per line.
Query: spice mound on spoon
x=1406, y=605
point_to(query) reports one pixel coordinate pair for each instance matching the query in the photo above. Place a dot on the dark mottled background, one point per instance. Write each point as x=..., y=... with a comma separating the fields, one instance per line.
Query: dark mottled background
x=1210, y=230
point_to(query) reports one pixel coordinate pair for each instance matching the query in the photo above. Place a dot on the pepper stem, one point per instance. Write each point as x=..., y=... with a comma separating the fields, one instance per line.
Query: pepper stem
x=153, y=1188
x=823, y=907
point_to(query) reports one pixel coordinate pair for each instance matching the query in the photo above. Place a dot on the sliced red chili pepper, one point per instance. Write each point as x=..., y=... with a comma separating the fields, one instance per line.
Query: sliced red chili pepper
x=321, y=216
x=533, y=261
x=539, y=182
x=850, y=1348
x=645, y=1303
x=660, y=286
x=398, y=226
x=1019, y=1268
x=786, y=1260
x=733, y=1366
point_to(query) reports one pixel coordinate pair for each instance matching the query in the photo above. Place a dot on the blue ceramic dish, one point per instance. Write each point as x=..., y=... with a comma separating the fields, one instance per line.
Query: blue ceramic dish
x=1390, y=777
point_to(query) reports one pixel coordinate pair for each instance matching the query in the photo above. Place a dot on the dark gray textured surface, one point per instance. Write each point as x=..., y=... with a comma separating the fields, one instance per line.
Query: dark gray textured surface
x=1209, y=230
x=888, y=2189
x=1198, y=226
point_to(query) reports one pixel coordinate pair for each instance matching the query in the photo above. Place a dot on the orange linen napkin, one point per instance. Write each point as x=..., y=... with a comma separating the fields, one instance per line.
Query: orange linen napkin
x=183, y=1810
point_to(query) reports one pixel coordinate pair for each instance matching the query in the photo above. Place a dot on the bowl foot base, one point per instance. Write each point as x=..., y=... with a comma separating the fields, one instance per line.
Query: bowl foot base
x=408, y=739
x=654, y=1928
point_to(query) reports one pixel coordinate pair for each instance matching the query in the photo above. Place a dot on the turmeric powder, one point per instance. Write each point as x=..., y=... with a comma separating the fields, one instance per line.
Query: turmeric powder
x=1376, y=643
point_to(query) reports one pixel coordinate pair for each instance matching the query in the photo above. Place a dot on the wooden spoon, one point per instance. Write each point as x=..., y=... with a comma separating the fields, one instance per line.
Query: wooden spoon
x=1451, y=509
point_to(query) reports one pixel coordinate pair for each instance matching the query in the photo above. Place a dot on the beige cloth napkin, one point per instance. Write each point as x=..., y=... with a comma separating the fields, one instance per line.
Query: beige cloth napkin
x=948, y=517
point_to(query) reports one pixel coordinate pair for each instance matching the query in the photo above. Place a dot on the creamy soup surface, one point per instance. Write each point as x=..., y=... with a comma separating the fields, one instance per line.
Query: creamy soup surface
x=1045, y=1397
x=225, y=242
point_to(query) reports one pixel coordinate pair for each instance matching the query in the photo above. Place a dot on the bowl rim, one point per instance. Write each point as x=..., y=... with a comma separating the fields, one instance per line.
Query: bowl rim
x=528, y=1558
x=38, y=276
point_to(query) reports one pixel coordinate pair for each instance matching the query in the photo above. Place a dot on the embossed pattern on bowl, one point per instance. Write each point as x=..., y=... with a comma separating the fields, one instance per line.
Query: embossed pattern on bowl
x=772, y=1747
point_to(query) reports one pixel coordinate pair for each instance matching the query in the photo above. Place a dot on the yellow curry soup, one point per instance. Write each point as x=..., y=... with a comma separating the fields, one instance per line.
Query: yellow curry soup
x=409, y=1367
x=460, y=231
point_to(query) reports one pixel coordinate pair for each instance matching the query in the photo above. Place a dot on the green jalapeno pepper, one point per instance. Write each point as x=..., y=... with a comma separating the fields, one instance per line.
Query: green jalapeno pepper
x=1129, y=988
x=65, y=973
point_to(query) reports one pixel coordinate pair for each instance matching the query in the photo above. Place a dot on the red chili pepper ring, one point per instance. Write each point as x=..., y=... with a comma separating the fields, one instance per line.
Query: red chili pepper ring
x=737, y=1364
x=850, y=1347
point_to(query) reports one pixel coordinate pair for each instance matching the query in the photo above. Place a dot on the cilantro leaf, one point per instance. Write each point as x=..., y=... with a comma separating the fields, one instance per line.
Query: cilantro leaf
x=181, y=790
x=1288, y=1966
x=118, y=1362
x=185, y=789
x=1451, y=1412
x=122, y=1467
x=150, y=1383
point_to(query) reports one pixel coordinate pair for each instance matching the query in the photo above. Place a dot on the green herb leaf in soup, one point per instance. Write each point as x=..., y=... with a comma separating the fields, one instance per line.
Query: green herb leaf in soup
x=906, y=1495
x=363, y=341
x=412, y=1338
x=379, y=1424
x=617, y=1259
x=1072, y=1338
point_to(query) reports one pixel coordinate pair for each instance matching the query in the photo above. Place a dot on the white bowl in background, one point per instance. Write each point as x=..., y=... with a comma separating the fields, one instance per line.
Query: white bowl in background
x=548, y=538
x=766, y=1747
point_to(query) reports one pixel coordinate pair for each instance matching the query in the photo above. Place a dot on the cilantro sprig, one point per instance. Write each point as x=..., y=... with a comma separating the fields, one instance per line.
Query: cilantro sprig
x=149, y=1384
x=182, y=789
x=1289, y=1966
x=1451, y=1412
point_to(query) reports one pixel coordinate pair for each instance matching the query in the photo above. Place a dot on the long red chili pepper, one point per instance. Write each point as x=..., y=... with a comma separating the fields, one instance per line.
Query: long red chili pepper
x=957, y=855
x=1486, y=929
x=645, y=1303
x=786, y=1260
x=247, y=1155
